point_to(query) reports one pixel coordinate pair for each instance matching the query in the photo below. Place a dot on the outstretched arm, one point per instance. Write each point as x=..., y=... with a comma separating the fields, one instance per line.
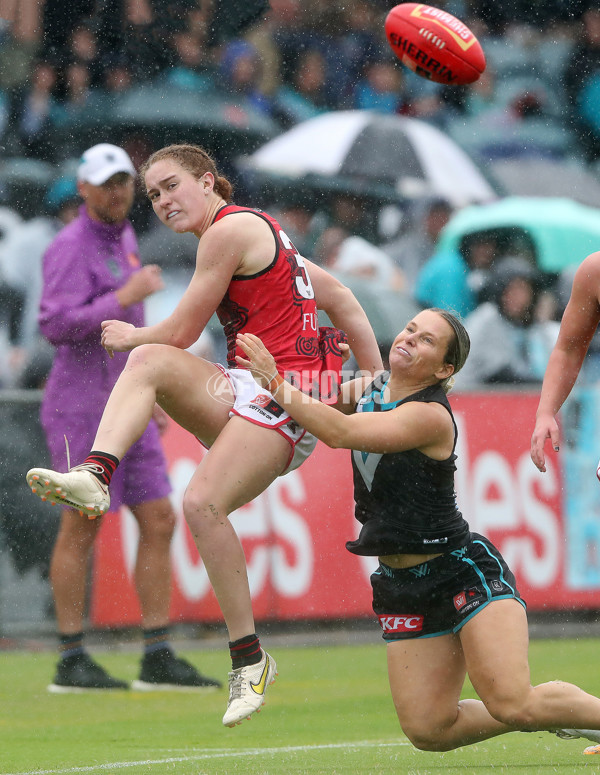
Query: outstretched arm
x=579, y=322
x=415, y=425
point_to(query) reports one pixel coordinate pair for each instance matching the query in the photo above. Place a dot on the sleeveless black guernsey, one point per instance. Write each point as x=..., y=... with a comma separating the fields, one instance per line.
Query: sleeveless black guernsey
x=405, y=501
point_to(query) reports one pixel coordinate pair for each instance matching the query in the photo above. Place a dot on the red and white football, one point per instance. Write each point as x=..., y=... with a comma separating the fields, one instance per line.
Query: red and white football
x=434, y=44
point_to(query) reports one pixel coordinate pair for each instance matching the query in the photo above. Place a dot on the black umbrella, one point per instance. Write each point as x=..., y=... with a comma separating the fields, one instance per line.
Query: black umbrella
x=400, y=157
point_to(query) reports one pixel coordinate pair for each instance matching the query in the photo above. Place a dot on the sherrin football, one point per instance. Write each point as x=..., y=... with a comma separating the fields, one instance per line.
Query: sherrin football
x=434, y=44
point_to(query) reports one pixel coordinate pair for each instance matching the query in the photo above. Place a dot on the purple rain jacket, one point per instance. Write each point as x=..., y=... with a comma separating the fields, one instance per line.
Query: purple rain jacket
x=82, y=268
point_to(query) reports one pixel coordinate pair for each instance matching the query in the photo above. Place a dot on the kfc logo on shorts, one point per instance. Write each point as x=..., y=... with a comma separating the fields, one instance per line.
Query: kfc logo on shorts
x=261, y=400
x=406, y=623
x=460, y=600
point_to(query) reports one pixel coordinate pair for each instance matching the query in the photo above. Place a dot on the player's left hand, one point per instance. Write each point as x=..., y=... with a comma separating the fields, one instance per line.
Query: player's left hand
x=260, y=361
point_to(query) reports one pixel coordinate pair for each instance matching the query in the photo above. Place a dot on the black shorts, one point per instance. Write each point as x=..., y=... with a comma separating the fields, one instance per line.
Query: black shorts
x=439, y=596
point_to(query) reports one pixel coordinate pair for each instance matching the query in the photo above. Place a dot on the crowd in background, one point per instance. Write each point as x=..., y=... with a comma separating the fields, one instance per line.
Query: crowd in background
x=62, y=67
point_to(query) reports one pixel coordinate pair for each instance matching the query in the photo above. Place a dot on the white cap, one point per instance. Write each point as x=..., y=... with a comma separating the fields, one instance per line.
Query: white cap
x=101, y=162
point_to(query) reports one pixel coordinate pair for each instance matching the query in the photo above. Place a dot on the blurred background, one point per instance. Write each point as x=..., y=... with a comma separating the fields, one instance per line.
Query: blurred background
x=482, y=199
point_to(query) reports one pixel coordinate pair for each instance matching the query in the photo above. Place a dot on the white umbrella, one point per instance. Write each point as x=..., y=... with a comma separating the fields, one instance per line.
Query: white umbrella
x=403, y=154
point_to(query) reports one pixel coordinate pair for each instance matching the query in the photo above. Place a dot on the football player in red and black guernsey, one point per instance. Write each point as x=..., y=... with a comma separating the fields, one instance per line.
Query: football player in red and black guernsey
x=248, y=270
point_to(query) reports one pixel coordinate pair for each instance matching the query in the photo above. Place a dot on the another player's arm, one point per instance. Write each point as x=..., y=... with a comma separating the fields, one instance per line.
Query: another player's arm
x=345, y=312
x=350, y=393
x=578, y=325
x=416, y=425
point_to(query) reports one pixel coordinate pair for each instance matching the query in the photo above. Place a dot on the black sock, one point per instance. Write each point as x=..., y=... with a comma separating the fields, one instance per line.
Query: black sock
x=156, y=639
x=245, y=651
x=70, y=645
x=102, y=465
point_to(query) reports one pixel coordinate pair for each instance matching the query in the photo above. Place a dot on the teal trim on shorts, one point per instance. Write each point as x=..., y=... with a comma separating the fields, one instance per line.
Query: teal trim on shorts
x=499, y=597
x=500, y=566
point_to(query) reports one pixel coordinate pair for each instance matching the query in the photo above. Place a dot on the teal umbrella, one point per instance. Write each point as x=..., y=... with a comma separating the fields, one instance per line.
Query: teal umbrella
x=560, y=232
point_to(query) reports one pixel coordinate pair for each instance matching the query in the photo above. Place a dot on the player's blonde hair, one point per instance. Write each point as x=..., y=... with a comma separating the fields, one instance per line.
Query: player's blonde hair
x=458, y=346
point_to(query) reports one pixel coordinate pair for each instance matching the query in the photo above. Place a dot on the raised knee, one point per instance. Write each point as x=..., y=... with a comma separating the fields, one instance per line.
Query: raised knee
x=144, y=354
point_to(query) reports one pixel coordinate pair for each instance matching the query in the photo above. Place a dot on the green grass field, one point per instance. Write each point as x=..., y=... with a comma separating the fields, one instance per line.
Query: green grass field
x=328, y=712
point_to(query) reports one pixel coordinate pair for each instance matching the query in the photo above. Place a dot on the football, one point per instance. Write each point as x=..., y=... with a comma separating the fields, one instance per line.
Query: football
x=434, y=44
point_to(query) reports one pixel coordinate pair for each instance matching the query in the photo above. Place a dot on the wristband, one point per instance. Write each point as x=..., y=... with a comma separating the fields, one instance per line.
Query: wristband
x=275, y=383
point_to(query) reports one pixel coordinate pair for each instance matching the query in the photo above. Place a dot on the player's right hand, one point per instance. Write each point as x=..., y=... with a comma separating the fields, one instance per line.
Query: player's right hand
x=546, y=427
x=116, y=336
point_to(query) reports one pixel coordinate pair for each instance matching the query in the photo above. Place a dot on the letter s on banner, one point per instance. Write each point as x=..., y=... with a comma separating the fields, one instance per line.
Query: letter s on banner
x=188, y=568
x=291, y=577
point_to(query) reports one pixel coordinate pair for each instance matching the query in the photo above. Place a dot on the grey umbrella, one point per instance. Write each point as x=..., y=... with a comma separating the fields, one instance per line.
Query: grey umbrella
x=547, y=177
x=170, y=114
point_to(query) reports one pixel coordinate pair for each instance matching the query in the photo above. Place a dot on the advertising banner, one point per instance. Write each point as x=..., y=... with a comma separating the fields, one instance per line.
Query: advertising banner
x=293, y=534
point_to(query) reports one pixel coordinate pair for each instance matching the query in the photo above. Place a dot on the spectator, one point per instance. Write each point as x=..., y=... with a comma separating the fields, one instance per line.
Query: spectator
x=18, y=50
x=412, y=249
x=296, y=218
x=508, y=345
x=39, y=111
x=240, y=70
x=459, y=280
x=84, y=49
x=306, y=96
x=192, y=67
x=11, y=308
x=481, y=251
x=480, y=97
x=11, y=302
x=78, y=96
x=22, y=268
x=142, y=43
x=380, y=87
x=339, y=251
x=4, y=113
x=356, y=38
x=582, y=84
x=430, y=105
x=117, y=78
x=442, y=282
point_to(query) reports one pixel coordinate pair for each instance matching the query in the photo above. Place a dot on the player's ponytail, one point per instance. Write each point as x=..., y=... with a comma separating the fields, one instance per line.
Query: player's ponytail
x=458, y=346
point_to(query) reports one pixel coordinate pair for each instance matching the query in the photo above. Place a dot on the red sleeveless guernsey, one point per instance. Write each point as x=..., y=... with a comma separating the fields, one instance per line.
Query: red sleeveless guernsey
x=278, y=305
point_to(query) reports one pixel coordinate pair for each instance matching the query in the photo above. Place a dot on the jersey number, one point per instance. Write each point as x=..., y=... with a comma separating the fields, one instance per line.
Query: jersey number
x=302, y=279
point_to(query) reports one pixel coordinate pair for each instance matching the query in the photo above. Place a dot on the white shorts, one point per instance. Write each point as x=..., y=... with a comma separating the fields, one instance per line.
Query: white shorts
x=254, y=403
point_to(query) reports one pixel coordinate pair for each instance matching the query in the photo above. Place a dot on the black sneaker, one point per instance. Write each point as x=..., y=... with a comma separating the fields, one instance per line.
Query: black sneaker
x=81, y=674
x=162, y=670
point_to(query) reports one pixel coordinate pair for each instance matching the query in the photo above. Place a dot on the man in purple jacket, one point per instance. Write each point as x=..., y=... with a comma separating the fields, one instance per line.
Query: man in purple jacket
x=91, y=272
